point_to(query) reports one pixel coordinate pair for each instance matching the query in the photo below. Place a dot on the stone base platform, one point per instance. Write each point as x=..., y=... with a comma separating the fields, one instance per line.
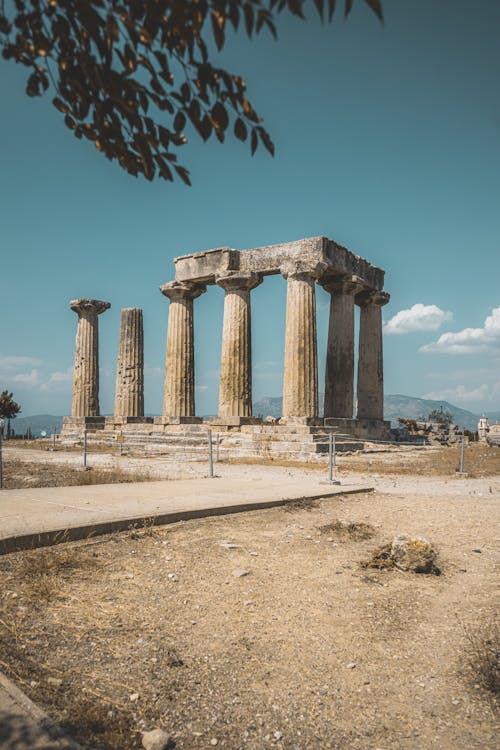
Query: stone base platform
x=296, y=441
x=79, y=424
x=363, y=429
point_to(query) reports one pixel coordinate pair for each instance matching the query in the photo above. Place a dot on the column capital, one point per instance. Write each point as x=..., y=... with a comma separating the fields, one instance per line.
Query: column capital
x=182, y=290
x=372, y=297
x=236, y=281
x=342, y=284
x=82, y=305
x=303, y=269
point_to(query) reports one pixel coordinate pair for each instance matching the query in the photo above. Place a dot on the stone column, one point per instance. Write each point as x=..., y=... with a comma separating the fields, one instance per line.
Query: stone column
x=85, y=401
x=235, y=390
x=129, y=398
x=370, y=391
x=339, y=372
x=300, y=377
x=178, y=402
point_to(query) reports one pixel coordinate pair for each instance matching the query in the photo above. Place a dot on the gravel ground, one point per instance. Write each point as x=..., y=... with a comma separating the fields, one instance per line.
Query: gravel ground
x=307, y=650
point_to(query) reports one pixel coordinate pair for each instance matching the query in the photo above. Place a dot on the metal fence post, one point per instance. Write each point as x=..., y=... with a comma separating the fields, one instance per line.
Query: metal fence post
x=54, y=439
x=462, y=451
x=330, y=457
x=1, y=457
x=217, y=444
x=210, y=456
x=85, y=449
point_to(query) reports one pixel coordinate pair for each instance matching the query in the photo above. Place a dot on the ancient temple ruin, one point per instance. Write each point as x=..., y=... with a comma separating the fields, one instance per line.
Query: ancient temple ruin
x=348, y=278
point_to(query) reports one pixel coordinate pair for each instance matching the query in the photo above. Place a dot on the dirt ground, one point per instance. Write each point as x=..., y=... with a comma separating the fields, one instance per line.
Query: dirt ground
x=308, y=650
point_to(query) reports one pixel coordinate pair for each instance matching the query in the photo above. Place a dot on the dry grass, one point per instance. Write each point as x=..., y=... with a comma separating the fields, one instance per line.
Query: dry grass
x=480, y=461
x=483, y=653
x=20, y=474
x=348, y=530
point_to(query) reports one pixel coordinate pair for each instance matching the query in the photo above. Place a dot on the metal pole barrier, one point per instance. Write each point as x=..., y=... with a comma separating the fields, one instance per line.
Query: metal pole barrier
x=210, y=456
x=330, y=458
x=217, y=443
x=54, y=439
x=1, y=461
x=85, y=449
x=462, y=451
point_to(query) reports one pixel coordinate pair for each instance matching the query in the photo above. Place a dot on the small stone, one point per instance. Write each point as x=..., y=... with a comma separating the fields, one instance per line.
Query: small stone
x=33, y=683
x=172, y=577
x=278, y=735
x=229, y=545
x=455, y=702
x=214, y=741
x=133, y=697
x=55, y=681
x=156, y=739
x=240, y=572
x=351, y=665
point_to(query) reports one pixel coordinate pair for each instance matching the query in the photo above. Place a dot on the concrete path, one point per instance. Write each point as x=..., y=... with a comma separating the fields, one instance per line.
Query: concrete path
x=39, y=517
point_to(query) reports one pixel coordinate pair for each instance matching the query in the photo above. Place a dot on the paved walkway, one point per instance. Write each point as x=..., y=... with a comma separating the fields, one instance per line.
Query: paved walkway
x=39, y=517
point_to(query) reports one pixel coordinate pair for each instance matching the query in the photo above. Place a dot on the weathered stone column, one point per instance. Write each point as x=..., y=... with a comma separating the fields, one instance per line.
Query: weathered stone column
x=339, y=372
x=178, y=402
x=129, y=397
x=235, y=390
x=370, y=391
x=300, y=377
x=85, y=402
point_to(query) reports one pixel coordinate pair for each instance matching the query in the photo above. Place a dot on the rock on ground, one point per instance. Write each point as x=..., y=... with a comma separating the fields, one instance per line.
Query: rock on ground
x=413, y=554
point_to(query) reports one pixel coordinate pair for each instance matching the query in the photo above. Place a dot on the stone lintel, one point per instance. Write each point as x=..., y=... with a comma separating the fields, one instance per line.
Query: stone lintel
x=82, y=305
x=231, y=421
x=182, y=290
x=166, y=420
x=236, y=280
x=303, y=268
x=205, y=266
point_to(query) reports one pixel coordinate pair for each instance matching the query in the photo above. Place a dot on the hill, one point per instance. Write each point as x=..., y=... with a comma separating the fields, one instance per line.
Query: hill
x=408, y=407
x=38, y=423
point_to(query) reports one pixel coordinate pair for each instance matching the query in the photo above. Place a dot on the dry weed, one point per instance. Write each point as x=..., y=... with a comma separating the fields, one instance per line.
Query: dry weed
x=19, y=474
x=483, y=653
x=348, y=530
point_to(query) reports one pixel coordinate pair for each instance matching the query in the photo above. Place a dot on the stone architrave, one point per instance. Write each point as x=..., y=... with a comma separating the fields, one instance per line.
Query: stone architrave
x=339, y=371
x=300, y=376
x=178, y=398
x=85, y=401
x=370, y=390
x=129, y=398
x=235, y=389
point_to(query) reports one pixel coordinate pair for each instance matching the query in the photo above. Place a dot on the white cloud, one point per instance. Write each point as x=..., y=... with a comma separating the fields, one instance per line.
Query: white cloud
x=417, y=318
x=26, y=378
x=56, y=379
x=201, y=388
x=469, y=340
x=10, y=362
x=459, y=393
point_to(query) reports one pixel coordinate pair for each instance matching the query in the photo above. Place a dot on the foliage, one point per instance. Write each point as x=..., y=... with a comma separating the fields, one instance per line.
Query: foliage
x=8, y=408
x=130, y=74
x=442, y=416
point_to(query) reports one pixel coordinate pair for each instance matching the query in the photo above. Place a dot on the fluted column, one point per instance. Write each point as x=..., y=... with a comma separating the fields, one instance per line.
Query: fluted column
x=85, y=402
x=235, y=389
x=370, y=391
x=300, y=377
x=129, y=397
x=179, y=368
x=339, y=372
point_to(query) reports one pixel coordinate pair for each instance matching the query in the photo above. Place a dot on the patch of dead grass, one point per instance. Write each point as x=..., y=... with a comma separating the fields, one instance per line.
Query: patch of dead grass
x=348, y=530
x=19, y=474
x=483, y=653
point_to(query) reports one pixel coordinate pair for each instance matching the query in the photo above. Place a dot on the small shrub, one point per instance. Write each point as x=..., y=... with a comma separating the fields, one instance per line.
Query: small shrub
x=483, y=653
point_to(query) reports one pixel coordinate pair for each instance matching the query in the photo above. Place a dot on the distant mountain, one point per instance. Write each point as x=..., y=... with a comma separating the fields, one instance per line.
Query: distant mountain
x=408, y=407
x=37, y=423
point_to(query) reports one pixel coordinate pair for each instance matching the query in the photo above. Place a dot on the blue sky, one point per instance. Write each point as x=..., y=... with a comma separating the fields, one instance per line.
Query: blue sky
x=388, y=141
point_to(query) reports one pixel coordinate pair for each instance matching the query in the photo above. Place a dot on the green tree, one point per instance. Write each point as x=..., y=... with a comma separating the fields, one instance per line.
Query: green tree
x=128, y=75
x=8, y=408
x=440, y=415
